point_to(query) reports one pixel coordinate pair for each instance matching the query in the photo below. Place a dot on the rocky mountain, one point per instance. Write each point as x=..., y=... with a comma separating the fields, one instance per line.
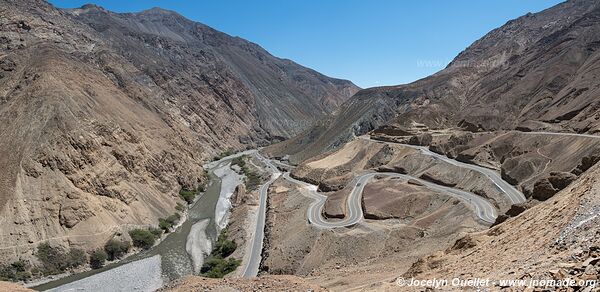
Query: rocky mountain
x=535, y=72
x=105, y=116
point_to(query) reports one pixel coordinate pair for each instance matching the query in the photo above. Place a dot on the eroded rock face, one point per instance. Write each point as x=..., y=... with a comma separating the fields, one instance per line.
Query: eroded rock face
x=515, y=170
x=586, y=163
x=453, y=146
x=516, y=209
x=469, y=126
x=73, y=212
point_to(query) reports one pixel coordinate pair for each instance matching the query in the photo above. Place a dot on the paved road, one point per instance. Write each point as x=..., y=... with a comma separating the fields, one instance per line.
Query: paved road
x=562, y=134
x=482, y=208
x=514, y=195
x=252, y=266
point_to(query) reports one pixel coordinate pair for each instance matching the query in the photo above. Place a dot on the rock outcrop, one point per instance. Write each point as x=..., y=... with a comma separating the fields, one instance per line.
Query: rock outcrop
x=546, y=187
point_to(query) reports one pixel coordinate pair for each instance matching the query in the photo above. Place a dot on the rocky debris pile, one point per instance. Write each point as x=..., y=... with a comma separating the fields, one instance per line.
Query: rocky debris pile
x=543, y=190
x=585, y=265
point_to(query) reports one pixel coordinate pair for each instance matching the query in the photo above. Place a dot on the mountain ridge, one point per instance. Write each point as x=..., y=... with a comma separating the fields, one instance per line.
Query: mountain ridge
x=537, y=70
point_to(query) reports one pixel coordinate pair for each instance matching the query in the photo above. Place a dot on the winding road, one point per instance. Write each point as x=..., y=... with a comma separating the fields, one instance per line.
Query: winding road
x=483, y=209
x=509, y=190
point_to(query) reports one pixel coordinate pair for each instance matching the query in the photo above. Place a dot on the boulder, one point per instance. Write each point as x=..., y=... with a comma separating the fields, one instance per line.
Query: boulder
x=561, y=180
x=464, y=243
x=500, y=219
x=515, y=210
x=543, y=190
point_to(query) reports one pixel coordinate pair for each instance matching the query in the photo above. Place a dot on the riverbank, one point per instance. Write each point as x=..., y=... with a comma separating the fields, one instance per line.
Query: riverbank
x=183, y=250
x=174, y=261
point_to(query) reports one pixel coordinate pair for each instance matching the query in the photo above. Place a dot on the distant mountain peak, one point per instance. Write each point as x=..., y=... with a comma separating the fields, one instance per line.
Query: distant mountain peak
x=91, y=6
x=158, y=11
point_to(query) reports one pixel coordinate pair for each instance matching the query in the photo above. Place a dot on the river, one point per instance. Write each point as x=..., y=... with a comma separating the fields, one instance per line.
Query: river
x=172, y=257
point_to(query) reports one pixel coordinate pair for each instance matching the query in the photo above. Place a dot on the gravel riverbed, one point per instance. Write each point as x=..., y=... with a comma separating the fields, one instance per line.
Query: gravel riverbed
x=142, y=275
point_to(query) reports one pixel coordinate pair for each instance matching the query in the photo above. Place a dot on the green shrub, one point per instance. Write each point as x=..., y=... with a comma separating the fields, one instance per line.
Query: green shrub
x=223, y=154
x=98, y=258
x=77, y=257
x=166, y=224
x=180, y=207
x=202, y=187
x=187, y=195
x=227, y=248
x=157, y=232
x=224, y=247
x=115, y=249
x=55, y=260
x=173, y=219
x=252, y=181
x=239, y=161
x=17, y=271
x=216, y=267
x=142, y=238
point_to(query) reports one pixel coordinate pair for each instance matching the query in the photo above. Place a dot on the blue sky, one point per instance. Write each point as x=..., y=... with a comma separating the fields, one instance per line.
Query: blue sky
x=372, y=43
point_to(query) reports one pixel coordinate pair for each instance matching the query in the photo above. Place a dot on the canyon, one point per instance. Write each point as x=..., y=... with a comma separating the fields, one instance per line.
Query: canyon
x=105, y=116
x=485, y=169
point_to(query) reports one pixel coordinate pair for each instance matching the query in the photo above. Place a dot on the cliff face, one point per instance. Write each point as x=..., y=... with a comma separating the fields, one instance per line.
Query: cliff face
x=104, y=116
x=539, y=70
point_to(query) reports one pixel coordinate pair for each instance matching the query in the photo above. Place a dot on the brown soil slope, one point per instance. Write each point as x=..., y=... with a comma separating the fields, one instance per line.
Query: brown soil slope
x=553, y=240
x=267, y=283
